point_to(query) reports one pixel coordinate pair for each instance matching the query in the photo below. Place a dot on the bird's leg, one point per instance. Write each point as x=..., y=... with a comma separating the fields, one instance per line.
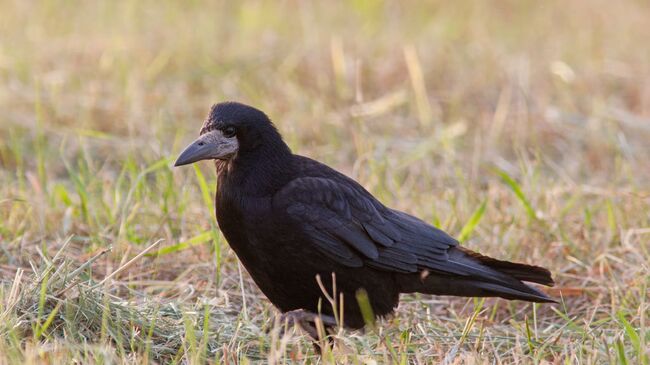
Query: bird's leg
x=308, y=321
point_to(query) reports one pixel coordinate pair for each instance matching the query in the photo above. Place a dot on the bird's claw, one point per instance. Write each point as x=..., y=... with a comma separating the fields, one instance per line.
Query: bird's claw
x=308, y=321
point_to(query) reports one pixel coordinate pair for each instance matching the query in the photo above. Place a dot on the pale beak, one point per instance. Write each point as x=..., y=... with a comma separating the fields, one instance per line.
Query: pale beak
x=210, y=146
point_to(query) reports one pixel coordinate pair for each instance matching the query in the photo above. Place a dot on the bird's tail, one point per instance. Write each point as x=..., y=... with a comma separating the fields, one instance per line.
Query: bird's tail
x=468, y=273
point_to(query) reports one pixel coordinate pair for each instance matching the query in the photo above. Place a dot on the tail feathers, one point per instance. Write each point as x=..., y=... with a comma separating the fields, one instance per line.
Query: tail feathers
x=480, y=276
x=469, y=287
x=528, y=293
x=533, y=274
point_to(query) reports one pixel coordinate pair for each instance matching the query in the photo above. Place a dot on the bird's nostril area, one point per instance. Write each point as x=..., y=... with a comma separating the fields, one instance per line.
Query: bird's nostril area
x=201, y=143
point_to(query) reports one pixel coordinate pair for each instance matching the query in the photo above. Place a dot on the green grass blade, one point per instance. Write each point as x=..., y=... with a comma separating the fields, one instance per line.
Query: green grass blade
x=41, y=302
x=516, y=188
x=366, y=309
x=48, y=321
x=620, y=351
x=196, y=240
x=473, y=221
x=203, y=185
x=529, y=337
x=633, y=336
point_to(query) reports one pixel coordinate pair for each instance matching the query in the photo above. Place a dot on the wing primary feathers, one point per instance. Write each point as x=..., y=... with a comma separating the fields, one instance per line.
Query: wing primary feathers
x=358, y=239
x=377, y=235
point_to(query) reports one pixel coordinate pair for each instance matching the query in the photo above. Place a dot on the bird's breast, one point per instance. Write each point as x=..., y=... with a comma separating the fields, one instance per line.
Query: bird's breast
x=239, y=217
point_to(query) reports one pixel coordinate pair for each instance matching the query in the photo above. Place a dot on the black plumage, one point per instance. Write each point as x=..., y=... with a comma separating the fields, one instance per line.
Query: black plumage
x=290, y=218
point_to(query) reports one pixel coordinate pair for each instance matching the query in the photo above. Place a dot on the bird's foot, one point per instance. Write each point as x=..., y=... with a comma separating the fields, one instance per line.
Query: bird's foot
x=309, y=322
x=314, y=324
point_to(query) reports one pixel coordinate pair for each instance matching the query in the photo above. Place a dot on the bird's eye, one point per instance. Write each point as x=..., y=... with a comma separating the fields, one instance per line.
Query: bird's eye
x=229, y=132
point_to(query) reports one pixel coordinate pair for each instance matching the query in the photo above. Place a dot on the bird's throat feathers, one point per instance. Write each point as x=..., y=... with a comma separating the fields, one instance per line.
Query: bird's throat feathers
x=258, y=171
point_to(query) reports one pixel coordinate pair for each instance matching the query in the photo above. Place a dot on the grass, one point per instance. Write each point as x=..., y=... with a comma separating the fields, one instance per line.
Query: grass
x=521, y=127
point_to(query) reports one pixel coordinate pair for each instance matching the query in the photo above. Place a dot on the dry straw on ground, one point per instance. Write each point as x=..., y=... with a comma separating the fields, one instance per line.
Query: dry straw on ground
x=521, y=127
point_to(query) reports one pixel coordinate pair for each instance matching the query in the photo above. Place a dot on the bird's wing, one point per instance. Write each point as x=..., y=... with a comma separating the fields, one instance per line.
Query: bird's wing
x=347, y=224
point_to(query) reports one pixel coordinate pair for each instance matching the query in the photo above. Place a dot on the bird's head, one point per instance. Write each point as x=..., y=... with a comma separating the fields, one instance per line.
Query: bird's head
x=230, y=129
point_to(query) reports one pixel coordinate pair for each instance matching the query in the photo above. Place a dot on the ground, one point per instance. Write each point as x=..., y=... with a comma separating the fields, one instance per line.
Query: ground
x=521, y=127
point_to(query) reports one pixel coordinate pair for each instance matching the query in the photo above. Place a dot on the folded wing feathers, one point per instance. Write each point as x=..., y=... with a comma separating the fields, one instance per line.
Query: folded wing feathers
x=332, y=248
x=395, y=260
x=357, y=238
x=345, y=223
x=377, y=235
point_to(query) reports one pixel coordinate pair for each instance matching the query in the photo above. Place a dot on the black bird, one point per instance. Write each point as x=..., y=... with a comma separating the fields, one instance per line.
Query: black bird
x=290, y=219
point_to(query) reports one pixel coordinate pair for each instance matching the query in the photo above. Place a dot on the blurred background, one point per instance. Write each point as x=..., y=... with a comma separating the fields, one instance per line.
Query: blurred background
x=523, y=126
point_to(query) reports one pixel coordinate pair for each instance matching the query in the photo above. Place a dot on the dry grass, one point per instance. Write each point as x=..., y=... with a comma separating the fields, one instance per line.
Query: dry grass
x=538, y=110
